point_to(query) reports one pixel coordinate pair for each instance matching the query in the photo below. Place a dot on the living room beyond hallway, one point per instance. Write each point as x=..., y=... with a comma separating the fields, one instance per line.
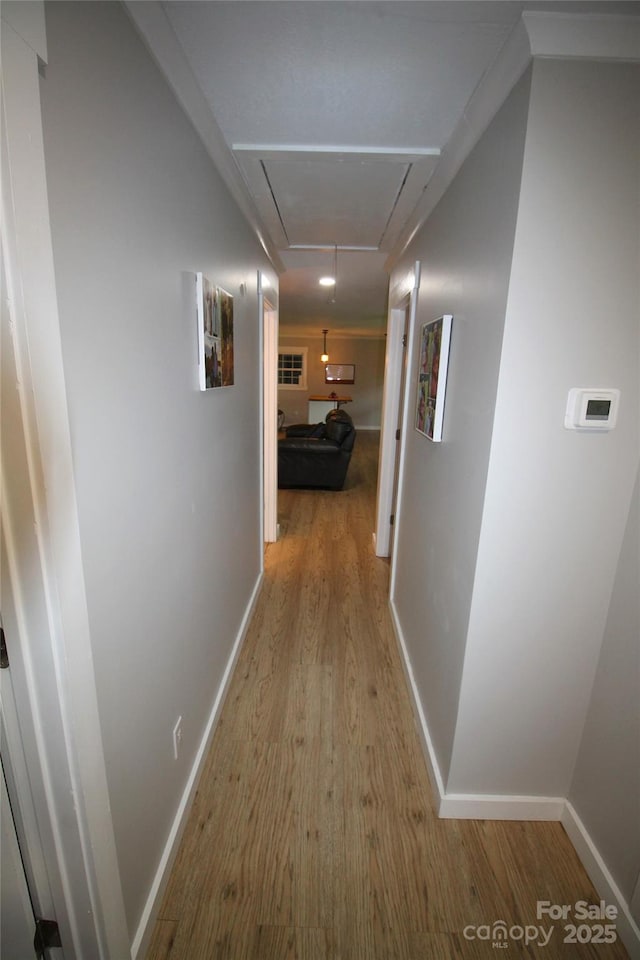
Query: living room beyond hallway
x=313, y=832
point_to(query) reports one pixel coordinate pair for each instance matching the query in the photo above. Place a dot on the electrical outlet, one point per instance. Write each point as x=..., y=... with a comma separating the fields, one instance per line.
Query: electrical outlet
x=177, y=738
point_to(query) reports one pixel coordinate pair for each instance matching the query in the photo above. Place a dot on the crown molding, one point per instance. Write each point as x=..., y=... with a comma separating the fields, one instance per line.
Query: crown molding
x=588, y=36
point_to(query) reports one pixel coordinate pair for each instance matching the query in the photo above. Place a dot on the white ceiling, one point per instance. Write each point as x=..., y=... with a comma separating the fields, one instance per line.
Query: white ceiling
x=335, y=115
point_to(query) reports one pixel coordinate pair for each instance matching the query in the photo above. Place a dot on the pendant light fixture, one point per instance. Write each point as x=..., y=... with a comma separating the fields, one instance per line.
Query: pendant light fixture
x=325, y=356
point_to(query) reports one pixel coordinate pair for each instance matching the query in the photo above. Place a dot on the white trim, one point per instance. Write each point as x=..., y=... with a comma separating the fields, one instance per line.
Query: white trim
x=487, y=807
x=427, y=743
x=268, y=323
x=585, y=36
x=85, y=844
x=468, y=806
x=291, y=349
x=348, y=247
x=600, y=875
x=407, y=424
x=390, y=409
x=635, y=901
x=266, y=150
x=144, y=931
x=402, y=297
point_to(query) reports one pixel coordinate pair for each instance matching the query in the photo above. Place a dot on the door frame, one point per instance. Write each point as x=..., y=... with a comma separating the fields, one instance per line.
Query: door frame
x=404, y=339
x=268, y=319
x=17, y=917
x=403, y=294
x=50, y=654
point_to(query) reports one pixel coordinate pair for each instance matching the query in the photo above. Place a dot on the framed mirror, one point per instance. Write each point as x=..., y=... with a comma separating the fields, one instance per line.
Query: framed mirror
x=340, y=373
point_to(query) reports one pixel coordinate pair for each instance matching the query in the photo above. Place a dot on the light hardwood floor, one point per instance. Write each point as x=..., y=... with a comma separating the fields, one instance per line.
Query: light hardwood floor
x=313, y=834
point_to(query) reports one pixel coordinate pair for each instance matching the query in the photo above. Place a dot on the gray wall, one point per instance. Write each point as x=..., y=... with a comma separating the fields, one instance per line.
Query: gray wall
x=518, y=541
x=167, y=477
x=557, y=501
x=466, y=250
x=368, y=356
x=605, y=790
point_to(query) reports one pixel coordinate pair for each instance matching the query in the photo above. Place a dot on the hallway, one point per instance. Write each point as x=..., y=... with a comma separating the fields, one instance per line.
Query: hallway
x=313, y=833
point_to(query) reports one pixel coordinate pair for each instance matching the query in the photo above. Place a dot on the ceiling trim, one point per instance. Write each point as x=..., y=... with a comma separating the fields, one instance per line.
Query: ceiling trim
x=333, y=246
x=587, y=36
x=300, y=151
x=152, y=23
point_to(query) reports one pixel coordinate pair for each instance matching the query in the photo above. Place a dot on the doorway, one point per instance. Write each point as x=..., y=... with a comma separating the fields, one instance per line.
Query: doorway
x=399, y=429
x=403, y=306
x=268, y=313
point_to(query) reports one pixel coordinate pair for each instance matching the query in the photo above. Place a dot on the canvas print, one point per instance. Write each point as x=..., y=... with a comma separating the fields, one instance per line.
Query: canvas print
x=215, y=334
x=432, y=376
x=224, y=305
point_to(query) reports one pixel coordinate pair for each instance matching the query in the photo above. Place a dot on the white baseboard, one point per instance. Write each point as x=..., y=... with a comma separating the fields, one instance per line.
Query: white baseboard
x=485, y=807
x=144, y=932
x=463, y=806
x=421, y=721
x=467, y=806
x=359, y=426
x=600, y=876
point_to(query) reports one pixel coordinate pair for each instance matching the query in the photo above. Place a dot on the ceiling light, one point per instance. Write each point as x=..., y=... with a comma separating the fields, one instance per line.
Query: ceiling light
x=325, y=356
x=326, y=281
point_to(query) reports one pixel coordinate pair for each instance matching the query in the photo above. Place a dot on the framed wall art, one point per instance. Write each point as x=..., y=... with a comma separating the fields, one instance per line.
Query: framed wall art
x=215, y=334
x=340, y=373
x=435, y=337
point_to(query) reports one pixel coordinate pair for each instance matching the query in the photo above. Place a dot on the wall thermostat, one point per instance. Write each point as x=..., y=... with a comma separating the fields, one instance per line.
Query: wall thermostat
x=591, y=408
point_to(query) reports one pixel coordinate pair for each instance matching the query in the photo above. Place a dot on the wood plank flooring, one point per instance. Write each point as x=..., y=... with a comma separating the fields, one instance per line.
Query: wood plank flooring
x=313, y=833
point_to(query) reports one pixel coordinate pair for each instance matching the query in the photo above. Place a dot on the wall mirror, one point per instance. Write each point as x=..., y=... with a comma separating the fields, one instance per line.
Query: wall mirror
x=340, y=373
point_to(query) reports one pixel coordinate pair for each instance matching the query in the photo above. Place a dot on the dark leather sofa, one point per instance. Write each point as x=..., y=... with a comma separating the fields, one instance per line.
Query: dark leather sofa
x=317, y=455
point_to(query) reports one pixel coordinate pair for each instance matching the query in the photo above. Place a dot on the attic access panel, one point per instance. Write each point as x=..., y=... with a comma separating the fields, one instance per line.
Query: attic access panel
x=330, y=195
x=348, y=200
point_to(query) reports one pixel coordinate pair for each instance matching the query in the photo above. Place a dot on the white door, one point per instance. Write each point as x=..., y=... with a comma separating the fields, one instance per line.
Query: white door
x=267, y=299
x=17, y=922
